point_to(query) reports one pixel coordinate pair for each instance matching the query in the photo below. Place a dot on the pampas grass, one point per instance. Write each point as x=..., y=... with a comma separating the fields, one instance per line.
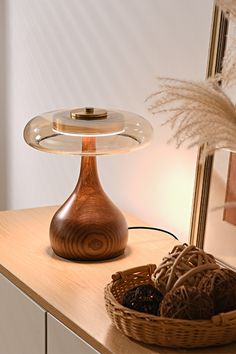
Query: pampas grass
x=201, y=113
x=198, y=112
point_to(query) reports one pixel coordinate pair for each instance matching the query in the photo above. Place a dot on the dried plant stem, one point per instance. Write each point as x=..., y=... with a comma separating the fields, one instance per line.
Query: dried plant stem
x=199, y=112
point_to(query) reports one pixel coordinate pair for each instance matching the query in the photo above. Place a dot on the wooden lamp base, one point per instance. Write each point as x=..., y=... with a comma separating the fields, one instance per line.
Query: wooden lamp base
x=88, y=226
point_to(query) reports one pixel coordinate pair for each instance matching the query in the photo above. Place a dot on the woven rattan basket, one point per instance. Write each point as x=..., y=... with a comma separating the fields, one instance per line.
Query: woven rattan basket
x=220, y=329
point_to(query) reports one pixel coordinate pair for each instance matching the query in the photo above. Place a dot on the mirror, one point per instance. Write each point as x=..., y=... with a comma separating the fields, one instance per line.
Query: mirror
x=213, y=225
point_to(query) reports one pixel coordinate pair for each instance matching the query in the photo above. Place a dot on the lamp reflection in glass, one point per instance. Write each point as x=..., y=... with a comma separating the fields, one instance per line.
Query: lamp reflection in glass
x=88, y=226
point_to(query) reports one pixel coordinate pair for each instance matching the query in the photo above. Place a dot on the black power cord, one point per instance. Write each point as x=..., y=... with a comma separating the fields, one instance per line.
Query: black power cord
x=151, y=228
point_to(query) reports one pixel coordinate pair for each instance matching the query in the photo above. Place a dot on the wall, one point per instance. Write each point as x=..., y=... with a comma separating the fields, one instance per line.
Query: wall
x=3, y=105
x=105, y=53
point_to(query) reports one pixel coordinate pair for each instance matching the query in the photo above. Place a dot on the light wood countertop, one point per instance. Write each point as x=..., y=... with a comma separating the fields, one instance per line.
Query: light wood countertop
x=73, y=291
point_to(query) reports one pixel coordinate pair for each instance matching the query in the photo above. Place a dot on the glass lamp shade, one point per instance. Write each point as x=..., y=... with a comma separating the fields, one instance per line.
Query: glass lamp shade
x=60, y=132
x=88, y=226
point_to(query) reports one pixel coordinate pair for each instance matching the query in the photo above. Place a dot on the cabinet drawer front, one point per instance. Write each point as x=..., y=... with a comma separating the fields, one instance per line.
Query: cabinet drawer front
x=61, y=340
x=22, y=322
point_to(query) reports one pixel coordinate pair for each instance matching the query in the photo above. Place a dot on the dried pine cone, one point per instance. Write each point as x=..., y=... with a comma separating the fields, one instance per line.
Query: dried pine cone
x=187, y=303
x=221, y=285
x=143, y=298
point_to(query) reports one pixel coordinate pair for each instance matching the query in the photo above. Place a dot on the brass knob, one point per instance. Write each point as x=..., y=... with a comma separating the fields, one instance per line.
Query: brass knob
x=87, y=113
x=89, y=110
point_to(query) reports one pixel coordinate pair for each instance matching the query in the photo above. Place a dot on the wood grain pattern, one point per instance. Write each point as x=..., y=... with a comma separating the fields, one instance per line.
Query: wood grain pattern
x=73, y=292
x=88, y=226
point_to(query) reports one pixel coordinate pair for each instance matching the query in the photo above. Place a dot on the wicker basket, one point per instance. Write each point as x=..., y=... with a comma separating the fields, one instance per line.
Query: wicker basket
x=220, y=329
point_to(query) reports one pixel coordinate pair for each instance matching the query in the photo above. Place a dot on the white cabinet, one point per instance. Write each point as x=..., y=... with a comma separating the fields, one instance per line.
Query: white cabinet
x=22, y=322
x=62, y=340
x=25, y=328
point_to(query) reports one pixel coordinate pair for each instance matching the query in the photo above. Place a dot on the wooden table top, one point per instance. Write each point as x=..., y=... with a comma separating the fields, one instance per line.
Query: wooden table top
x=74, y=291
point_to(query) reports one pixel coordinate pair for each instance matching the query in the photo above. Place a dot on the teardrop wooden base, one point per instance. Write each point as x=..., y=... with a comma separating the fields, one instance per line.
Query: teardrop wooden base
x=88, y=226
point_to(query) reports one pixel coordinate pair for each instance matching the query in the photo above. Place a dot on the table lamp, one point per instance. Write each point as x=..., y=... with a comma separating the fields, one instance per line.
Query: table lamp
x=88, y=226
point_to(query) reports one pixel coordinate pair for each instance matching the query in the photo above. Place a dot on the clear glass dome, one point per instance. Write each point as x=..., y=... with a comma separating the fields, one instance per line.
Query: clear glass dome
x=88, y=131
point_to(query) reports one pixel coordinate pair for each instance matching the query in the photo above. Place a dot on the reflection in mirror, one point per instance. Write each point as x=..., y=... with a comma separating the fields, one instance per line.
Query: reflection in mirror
x=221, y=222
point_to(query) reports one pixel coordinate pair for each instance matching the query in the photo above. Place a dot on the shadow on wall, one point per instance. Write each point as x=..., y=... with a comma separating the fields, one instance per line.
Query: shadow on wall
x=3, y=107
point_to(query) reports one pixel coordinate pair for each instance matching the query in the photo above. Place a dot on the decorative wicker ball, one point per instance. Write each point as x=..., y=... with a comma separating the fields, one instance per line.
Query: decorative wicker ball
x=143, y=298
x=221, y=285
x=187, y=303
x=184, y=265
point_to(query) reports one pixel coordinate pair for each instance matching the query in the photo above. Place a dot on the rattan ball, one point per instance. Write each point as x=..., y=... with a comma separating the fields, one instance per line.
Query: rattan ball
x=184, y=265
x=187, y=303
x=143, y=298
x=221, y=285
